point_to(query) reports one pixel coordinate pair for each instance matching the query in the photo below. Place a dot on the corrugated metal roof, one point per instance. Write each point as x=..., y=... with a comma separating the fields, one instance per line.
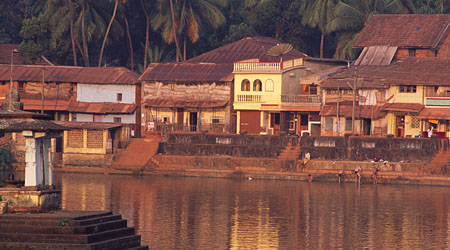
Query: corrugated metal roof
x=164, y=103
x=405, y=107
x=408, y=71
x=376, y=55
x=404, y=30
x=188, y=72
x=361, y=111
x=79, y=107
x=246, y=48
x=99, y=75
x=88, y=125
x=435, y=113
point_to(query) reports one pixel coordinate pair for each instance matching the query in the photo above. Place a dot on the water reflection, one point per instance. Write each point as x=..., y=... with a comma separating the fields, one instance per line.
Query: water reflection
x=196, y=213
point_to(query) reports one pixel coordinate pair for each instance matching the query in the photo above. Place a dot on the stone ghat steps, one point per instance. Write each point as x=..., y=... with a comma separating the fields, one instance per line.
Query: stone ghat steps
x=138, y=153
x=290, y=153
x=67, y=230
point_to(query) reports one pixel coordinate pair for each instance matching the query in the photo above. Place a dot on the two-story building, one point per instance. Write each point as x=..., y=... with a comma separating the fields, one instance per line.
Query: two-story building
x=237, y=87
x=398, y=72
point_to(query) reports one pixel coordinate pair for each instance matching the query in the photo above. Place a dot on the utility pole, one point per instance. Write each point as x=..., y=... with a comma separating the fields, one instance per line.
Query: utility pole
x=354, y=101
x=43, y=89
x=337, y=111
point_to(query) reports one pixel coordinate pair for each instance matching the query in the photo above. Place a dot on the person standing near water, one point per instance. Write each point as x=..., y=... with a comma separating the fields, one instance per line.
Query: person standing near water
x=358, y=174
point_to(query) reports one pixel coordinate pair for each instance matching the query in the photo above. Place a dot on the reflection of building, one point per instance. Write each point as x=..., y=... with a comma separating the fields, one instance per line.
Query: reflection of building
x=86, y=192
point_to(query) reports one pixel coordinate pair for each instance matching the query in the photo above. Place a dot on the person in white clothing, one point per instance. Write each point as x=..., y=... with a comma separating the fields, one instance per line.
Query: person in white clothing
x=430, y=131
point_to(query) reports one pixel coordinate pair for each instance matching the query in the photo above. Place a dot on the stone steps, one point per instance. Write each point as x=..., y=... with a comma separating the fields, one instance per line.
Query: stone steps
x=290, y=153
x=65, y=231
x=138, y=153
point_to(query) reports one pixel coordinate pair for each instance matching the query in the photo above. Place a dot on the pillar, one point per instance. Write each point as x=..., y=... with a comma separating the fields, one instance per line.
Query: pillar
x=38, y=160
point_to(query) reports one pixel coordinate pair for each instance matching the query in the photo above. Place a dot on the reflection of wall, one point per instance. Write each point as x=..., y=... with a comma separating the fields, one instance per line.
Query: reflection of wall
x=85, y=193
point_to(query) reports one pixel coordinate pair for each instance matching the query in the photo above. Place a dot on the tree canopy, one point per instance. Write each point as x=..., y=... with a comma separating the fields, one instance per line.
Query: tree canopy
x=133, y=33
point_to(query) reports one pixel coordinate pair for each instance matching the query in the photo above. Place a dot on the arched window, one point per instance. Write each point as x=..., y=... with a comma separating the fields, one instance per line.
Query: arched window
x=257, y=85
x=245, y=85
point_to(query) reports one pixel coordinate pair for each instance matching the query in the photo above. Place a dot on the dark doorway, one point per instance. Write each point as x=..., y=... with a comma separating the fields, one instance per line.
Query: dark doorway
x=193, y=121
x=367, y=124
x=180, y=118
x=275, y=123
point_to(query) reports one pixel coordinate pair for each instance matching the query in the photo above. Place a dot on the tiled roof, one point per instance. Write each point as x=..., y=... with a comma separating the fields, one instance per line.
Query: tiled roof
x=435, y=113
x=88, y=125
x=405, y=107
x=79, y=107
x=188, y=72
x=408, y=71
x=99, y=75
x=404, y=30
x=5, y=55
x=361, y=111
x=246, y=48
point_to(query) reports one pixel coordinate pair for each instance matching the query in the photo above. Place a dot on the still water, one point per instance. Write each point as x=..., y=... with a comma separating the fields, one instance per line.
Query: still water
x=209, y=213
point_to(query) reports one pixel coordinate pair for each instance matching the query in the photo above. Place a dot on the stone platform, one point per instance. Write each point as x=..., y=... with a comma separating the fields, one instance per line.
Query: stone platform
x=81, y=230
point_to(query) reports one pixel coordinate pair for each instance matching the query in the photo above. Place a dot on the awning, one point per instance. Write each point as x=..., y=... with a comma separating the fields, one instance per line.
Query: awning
x=363, y=111
x=289, y=108
x=404, y=107
x=435, y=114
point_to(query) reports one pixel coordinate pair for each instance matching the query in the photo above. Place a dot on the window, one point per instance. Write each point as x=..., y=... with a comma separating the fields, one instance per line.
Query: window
x=407, y=88
x=412, y=52
x=117, y=119
x=415, y=122
x=21, y=85
x=257, y=85
x=348, y=124
x=304, y=120
x=215, y=120
x=329, y=123
x=269, y=85
x=119, y=97
x=313, y=90
x=245, y=85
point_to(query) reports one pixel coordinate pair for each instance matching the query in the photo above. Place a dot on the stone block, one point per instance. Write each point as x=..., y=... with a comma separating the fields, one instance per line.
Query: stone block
x=3, y=207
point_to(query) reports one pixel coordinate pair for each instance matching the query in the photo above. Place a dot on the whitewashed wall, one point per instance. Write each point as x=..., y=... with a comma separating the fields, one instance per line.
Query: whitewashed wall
x=127, y=118
x=105, y=93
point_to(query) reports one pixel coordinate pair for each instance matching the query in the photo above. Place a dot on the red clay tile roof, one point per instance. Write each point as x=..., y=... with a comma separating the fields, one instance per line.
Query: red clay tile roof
x=188, y=72
x=361, y=111
x=5, y=55
x=408, y=71
x=247, y=48
x=405, y=107
x=79, y=107
x=404, y=30
x=99, y=75
x=435, y=113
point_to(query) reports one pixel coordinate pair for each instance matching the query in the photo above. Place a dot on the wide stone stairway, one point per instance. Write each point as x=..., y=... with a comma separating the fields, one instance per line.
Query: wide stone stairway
x=138, y=153
x=290, y=152
x=80, y=230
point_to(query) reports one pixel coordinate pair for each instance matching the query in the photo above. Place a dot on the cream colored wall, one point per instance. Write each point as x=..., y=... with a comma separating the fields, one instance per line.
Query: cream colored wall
x=206, y=115
x=392, y=127
x=267, y=97
x=406, y=97
x=85, y=149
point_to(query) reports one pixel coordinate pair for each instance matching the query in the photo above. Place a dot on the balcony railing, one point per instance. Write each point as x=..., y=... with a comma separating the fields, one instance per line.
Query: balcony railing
x=248, y=98
x=266, y=66
x=313, y=99
x=437, y=101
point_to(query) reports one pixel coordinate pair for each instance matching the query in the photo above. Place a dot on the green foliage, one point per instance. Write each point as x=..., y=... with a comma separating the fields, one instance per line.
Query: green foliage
x=5, y=157
x=1, y=198
x=63, y=222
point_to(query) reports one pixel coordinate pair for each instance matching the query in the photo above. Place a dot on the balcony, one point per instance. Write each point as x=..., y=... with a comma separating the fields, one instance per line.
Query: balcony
x=437, y=101
x=248, y=98
x=263, y=67
x=307, y=100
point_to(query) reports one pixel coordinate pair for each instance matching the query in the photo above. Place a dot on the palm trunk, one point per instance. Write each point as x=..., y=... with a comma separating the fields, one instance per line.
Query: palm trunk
x=175, y=33
x=81, y=50
x=321, y=44
x=130, y=42
x=85, y=47
x=146, y=34
x=184, y=46
x=71, y=33
x=107, y=33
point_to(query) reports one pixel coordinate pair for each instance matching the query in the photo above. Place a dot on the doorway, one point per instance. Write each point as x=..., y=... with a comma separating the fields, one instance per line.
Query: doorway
x=400, y=125
x=193, y=121
x=180, y=118
x=367, y=124
x=275, y=123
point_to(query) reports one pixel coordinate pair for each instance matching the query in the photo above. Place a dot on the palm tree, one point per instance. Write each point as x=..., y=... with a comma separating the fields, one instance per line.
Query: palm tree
x=116, y=4
x=318, y=14
x=186, y=17
x=72, y=39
